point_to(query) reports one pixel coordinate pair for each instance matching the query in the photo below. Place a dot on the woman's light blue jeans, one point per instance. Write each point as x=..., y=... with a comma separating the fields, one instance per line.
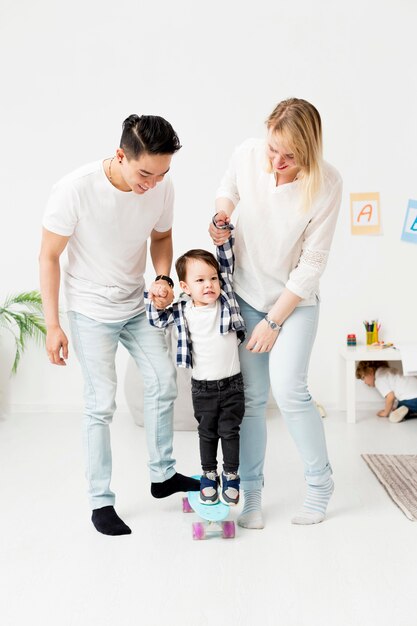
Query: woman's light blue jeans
x=95, y=344
x=285, y=368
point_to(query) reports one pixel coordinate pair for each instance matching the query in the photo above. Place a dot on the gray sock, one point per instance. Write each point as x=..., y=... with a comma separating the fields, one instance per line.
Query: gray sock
x=315, y=504
x=251, y=516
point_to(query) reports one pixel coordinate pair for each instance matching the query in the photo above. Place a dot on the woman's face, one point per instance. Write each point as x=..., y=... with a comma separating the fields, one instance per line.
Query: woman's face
x=281, y=157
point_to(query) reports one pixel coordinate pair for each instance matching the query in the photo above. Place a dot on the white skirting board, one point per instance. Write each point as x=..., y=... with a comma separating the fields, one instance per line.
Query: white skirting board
x=123, y=409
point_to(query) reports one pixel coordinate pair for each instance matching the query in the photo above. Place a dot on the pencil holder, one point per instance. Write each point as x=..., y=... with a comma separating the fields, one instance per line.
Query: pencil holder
x=372, y=332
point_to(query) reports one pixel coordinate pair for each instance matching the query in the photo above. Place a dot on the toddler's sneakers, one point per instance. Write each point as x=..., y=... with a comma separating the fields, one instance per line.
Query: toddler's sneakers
x=398, y=415
x=230, y=489
x=209, y=485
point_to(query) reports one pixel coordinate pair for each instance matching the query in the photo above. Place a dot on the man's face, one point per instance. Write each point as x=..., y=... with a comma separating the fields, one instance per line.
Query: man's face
x=145, y=172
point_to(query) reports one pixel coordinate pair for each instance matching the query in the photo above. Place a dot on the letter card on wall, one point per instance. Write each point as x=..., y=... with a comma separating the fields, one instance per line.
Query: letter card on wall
x=365, y=213
x=410, y=223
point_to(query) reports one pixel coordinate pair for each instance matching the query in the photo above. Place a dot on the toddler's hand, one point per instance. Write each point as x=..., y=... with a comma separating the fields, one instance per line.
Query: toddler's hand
x=157, y=290
x=218, y=229
x=161, y=294
x=221, y=219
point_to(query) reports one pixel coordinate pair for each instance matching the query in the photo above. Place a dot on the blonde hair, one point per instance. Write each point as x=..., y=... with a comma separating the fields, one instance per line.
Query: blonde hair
x=299, y=125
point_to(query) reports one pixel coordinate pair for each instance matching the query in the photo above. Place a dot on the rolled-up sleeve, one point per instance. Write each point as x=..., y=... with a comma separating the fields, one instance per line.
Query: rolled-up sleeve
x=304, y=278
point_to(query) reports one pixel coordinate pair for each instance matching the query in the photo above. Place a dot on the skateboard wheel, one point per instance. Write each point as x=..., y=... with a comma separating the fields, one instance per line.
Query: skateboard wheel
x=186, y=508
x=228, y=530
x=198, y=531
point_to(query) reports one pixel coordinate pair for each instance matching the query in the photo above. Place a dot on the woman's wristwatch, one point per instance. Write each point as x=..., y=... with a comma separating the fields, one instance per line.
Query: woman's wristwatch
x=167, y=279
x=273, y=325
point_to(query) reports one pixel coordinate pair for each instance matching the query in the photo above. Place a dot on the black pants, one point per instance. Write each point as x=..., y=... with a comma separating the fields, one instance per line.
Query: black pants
x=219, y=406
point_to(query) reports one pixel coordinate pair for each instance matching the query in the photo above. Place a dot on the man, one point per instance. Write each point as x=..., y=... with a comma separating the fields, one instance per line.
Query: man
x=105, y=212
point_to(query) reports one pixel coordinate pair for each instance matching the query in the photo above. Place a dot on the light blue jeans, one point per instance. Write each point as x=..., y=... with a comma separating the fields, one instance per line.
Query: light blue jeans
x=95, y=344
x=285, y=368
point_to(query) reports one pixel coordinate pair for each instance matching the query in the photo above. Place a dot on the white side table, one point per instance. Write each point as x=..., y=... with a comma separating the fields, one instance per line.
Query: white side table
x=349, y=356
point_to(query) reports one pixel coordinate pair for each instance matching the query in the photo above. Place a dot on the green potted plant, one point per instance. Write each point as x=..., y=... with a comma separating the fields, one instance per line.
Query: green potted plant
x=22, y=316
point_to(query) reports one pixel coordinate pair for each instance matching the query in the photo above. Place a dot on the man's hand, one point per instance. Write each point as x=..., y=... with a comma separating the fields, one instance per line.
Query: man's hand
x=262, y=338
x=382, y=414
x=161, y=294
x=57, y=345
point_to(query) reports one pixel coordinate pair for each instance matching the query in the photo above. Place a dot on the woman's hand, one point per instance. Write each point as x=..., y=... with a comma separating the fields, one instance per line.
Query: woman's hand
x=219, y=235
x=262, y=338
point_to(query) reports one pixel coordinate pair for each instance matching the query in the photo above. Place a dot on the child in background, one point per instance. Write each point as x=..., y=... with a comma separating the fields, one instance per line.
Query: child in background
x=209, y=330
x=392, y=386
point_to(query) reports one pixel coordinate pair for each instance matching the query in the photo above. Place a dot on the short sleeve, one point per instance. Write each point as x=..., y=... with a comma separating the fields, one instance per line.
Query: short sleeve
x=383, y=382
x=62, y=210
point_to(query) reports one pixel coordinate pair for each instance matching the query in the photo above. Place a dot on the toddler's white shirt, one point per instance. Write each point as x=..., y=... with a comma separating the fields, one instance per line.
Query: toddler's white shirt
x=387, y=380
x=215, y=356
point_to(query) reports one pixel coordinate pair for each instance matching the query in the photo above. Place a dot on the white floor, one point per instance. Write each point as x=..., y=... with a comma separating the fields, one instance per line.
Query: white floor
x=356, y=568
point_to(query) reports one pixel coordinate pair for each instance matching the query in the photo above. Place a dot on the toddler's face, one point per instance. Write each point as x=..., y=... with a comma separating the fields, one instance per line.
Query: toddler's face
x=369, y=378
x=202, y=282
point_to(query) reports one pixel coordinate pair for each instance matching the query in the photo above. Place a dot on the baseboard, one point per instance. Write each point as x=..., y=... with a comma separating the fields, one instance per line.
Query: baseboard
x=123, y=408
x=360, y=406
x=335, y=406
x=14, y=409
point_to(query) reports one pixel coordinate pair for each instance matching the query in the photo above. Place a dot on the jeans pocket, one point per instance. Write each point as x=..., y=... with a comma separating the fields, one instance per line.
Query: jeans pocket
x=238, y=384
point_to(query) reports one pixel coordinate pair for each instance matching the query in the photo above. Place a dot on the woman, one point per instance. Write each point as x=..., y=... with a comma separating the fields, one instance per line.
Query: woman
x=288, y=200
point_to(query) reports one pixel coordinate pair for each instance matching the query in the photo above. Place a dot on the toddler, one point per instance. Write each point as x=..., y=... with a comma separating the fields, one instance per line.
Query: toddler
x=210, y=328
x=392, y=386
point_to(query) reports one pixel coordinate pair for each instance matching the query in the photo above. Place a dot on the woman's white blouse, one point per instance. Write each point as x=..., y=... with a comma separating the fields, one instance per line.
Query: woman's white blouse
x=277, y=244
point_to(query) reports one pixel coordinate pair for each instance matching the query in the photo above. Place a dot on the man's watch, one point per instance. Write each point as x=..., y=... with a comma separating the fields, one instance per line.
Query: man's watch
x=167, y=278
x=273, y=325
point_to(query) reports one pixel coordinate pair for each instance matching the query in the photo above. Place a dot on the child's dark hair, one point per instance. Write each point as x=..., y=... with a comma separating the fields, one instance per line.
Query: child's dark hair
x=148, y=134
x=366, y=367
x=197, y=255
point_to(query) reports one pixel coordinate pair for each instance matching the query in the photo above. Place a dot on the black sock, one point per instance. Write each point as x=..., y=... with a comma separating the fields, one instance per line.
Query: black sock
x=108, y=522
x=176, y=483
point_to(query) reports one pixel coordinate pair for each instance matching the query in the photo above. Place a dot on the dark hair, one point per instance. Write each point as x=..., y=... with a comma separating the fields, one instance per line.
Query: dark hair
x=365, y=367
x=198, y=255
x=148, y=133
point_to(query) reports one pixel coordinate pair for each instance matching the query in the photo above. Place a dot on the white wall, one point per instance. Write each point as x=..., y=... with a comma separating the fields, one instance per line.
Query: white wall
x=72, y=72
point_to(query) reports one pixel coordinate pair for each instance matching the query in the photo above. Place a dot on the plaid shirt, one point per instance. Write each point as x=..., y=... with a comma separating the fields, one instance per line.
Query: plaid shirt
x=230, y=318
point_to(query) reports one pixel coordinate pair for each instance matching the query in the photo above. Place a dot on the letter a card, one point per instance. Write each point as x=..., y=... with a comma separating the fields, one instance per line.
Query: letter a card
x=410, y=224
x=365, y=213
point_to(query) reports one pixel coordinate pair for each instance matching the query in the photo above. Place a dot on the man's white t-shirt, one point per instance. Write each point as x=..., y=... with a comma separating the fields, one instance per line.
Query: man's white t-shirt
x=108, y=231
x=387, y=380
x=215, y=355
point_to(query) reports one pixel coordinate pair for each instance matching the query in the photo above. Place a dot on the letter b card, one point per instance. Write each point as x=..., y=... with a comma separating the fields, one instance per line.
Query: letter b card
x=410, y=223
